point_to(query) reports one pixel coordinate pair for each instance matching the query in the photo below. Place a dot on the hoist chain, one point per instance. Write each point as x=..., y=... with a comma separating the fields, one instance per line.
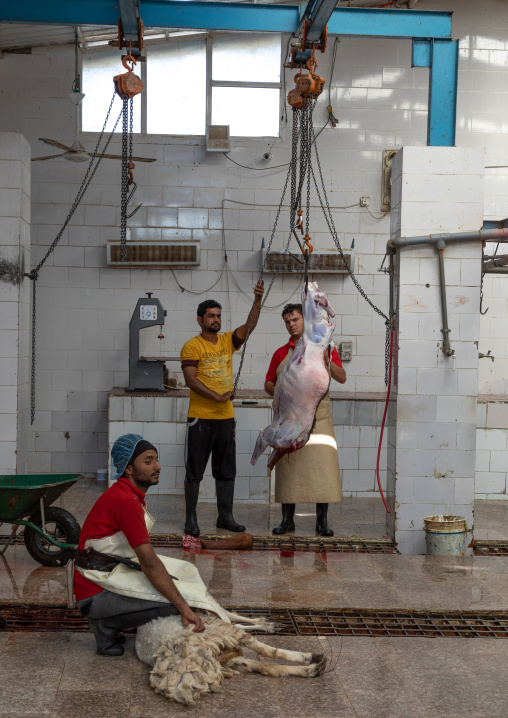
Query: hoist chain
x=387, y=351
x=126, y=173
x=124, y=181
x=331, y=226
x=308, y=108
x=294, y=202
x=34, y=274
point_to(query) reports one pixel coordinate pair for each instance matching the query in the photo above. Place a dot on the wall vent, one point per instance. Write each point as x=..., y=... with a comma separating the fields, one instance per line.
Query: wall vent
x=154, y=254
x=322, y=262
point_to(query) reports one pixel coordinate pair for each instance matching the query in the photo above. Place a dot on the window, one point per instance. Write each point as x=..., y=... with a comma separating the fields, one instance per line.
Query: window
x=222, y=80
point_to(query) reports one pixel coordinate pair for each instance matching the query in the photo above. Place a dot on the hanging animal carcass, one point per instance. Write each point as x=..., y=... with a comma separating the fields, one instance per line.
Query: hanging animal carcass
x=187, y=665
x=303, y=382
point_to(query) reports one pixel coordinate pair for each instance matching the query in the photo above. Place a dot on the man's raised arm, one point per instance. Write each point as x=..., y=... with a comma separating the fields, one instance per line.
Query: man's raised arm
x=252, y=319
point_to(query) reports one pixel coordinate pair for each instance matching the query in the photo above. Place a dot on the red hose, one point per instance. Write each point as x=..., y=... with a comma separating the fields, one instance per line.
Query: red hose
x=383, y=424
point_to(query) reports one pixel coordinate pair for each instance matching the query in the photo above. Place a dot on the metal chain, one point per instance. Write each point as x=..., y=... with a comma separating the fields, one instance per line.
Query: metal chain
x=131, y=126
x=124, y=182
x=294, y=154
x=297, y=132
x=309, y=107
x=331, y=227
x=387, y=351
x=34, y=274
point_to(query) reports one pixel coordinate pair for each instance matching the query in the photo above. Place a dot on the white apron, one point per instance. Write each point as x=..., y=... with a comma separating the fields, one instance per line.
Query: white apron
x=129, y=582
x=311, y=475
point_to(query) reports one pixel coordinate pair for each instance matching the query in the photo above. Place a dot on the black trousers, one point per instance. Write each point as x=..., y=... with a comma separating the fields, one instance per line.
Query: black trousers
x=107, y=604
x=210, y=436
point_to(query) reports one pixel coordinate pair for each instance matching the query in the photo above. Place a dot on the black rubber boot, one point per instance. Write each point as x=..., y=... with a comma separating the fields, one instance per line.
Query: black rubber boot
x=322, y=520
x=287, y=524
x=106, y=630
x=191, y=501
x=225, y=491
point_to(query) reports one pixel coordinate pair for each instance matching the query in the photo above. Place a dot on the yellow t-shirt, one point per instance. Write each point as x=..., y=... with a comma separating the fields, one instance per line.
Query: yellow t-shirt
x=215, y=371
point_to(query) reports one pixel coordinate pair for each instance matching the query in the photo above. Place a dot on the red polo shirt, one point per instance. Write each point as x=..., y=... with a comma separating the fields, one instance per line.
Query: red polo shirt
x=282, y=353
x=120, y=508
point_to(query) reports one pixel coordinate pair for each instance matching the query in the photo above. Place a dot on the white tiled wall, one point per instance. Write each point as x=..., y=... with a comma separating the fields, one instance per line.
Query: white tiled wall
x=14, y=302
x=162, y=420
x=84, y=307
x=433, y=441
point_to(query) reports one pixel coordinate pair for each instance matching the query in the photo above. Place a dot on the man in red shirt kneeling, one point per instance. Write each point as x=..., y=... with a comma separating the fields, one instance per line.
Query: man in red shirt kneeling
x=120, y=582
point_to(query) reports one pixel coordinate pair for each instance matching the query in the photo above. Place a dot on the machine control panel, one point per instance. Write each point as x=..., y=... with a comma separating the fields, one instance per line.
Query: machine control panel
x=148, y=312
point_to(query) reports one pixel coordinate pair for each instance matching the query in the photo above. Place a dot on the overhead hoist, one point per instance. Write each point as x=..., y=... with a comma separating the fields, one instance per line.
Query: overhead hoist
x=127, y=86
x=308, y=86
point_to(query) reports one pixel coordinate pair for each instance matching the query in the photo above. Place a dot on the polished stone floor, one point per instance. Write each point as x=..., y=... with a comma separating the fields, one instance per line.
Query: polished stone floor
x=58, y=675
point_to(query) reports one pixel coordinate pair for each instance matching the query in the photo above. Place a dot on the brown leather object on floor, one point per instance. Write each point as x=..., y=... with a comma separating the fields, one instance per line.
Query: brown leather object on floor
x=239, y=542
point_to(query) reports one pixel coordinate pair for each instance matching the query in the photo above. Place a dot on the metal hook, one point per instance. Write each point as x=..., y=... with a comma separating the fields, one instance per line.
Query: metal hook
x=134, y=188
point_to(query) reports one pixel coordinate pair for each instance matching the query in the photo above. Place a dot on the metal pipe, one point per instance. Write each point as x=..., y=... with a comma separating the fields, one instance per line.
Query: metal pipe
x=491, y=262
x=485, y=235
x=495, y=270
x=439, y=241
x=446, y=348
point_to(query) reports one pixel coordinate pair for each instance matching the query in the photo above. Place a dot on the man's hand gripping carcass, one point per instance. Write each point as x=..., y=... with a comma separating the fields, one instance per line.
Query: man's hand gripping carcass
x=303, y=382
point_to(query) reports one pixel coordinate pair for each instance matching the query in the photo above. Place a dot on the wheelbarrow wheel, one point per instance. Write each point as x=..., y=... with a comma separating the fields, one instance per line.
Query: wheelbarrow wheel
x=61, y=526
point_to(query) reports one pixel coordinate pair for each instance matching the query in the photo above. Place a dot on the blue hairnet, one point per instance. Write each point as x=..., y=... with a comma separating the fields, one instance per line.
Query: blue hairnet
x=121, y=452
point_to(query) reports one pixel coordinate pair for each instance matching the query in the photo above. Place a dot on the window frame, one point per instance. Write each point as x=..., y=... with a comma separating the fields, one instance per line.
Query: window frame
x=141, y=69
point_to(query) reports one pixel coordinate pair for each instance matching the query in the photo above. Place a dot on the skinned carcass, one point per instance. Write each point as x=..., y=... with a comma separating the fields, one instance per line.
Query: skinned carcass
x=302, y=383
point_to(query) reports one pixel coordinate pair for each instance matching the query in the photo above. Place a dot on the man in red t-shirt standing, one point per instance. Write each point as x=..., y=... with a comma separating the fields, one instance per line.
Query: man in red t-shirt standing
x=311, y=474
x=117, y=526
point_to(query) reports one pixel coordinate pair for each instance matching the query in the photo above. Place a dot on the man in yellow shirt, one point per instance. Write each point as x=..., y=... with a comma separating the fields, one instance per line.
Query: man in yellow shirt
x=207, y=364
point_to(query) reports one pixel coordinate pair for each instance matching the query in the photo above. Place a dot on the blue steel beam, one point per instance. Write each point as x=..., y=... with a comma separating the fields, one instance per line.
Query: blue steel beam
x=443, y=93
x=442, y=59
x=318, y=13
x=431, y=31
x=370, y=22
x=129, y=13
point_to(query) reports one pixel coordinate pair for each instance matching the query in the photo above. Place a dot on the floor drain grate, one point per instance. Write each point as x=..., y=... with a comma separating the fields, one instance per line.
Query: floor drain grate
x=295, y=543
x=302, y=622
x=292, y=543
x=491, y=548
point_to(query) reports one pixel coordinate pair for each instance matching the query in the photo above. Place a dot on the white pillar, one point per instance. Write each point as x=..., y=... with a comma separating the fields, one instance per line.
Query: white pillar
x=14, y=301
x=432, y=433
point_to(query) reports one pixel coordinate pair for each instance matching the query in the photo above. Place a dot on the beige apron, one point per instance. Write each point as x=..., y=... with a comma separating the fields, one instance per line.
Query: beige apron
x=128, y=582
x=312, y=474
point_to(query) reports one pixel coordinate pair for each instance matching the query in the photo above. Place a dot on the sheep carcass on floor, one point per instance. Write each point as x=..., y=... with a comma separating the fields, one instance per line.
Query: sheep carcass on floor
x=187, y=665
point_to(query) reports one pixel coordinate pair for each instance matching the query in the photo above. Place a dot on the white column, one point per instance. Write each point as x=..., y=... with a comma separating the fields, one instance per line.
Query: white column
x=432, y=434
x=14, y=301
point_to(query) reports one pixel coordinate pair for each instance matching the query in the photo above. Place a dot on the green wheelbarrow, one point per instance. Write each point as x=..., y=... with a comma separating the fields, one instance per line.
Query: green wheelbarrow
x=51, y=533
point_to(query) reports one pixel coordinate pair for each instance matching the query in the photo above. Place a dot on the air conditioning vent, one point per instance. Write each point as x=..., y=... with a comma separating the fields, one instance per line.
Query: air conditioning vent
x=154, y=254
x=322, y=262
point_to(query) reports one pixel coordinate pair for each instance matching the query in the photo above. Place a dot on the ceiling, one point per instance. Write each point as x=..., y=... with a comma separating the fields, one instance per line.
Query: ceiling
x=19, y=36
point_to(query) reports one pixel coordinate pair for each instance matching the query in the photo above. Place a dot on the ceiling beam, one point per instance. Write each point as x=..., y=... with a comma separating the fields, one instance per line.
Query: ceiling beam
x=365, y=22
x=129, y=13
